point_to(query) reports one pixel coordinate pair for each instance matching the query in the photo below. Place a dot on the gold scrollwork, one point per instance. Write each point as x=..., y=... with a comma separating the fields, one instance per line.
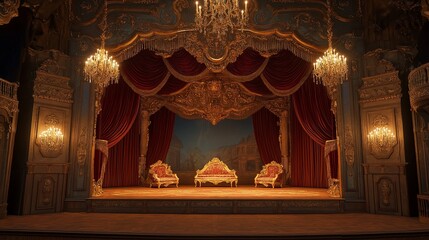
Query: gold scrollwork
x=82, y=150
x=213, y=101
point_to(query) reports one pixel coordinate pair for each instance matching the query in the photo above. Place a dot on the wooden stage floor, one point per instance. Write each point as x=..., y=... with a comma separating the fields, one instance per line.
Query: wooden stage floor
x=215, y=199
x=214, y=192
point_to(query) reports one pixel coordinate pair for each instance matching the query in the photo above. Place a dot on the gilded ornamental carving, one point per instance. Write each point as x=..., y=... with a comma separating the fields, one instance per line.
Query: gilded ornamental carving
x=215, y=55
x=8, y=10
x=214, y=101
x=47, y=191
x=278, y=106
x=51, y=81
x=385, y=191
x=82, y=153
x=381, y=87
x=349, y=150
x=52, y=87
x=170, y=26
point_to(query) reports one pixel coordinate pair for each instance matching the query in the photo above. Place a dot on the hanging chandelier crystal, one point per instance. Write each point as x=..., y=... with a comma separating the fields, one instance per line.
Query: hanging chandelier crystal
x=330, y=69
x=100, y=68
x=218, y=17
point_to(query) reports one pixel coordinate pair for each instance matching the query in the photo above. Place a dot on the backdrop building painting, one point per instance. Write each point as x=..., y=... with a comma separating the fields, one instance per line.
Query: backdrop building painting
x=195, y=142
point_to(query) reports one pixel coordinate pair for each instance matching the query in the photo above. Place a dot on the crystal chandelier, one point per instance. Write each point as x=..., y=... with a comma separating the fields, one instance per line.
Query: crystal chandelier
x=51, y=137
x=100, y=68
x=330, y=69
x=218, y=17
x=51, y=142
x=381, y=138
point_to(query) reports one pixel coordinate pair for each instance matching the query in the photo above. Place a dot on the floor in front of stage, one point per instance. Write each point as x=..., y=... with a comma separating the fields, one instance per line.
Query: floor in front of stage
x=132, y=213
x=214, y=192
x=211, y=226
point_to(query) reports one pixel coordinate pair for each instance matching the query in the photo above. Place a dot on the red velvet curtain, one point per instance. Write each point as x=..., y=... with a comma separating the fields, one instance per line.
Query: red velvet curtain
x=266, y=129
x=312, y=107
x=312, y=123
x=160, y=133
x=118, y=116
x=246, y=63
x=307, y=163
x=185, y=64
x=257, y=86
x=145, y=73
x=286, y=72
x=119, y=109
x=123, y=165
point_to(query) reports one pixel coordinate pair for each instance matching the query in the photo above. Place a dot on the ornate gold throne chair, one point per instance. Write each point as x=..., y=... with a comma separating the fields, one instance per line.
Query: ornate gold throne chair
x=216, y=171
x=160, y=174
x=270, y=174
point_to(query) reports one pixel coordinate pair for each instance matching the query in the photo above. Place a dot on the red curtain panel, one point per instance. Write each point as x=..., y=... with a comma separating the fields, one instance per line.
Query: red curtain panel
x=122, y=168
x=160, y=133
x=266, y=129
x=312, y=122
x=120, y=107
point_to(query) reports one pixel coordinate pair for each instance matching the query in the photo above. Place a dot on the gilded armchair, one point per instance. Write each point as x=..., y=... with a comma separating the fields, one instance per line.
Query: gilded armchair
x=160, y=174
x=270, y=174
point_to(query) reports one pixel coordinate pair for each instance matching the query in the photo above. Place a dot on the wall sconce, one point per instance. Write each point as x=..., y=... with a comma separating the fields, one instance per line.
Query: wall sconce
x=51, y=142
x=381, y=142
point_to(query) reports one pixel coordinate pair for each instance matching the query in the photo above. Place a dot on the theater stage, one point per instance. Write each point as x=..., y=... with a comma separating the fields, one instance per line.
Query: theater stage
x=215, y=199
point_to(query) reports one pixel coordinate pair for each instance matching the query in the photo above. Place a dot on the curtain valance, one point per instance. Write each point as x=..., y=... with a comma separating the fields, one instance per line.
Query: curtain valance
x=281, y=74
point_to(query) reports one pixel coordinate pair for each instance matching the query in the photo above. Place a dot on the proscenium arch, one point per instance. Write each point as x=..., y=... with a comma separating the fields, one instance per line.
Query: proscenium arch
x=167, y=42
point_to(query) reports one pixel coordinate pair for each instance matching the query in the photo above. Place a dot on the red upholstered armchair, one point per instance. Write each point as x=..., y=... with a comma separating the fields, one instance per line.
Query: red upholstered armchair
x=161, y=174
x=270, y=174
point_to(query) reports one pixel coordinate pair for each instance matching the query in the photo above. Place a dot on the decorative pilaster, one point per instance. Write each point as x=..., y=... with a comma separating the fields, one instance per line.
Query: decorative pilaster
x=281, y=107
x=383, y=144
x=49, y=139
x=284, y=144
x=148, y=106
x=144, y=141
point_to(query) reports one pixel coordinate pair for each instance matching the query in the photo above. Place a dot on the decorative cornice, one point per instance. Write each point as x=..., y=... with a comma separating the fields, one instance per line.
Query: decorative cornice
x=8, y=10
x=380, y=87
x=52, y=87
